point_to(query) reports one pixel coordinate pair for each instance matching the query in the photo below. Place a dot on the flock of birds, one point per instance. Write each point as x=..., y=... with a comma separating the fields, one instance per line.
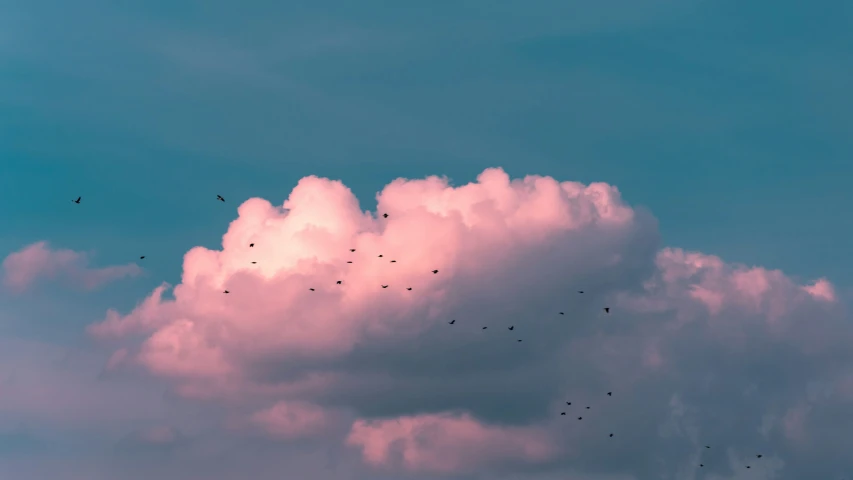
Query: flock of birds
x=452, y=322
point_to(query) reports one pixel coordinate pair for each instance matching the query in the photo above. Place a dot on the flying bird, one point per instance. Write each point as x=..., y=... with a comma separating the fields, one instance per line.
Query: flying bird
x=587, y=408
x=142, y=257
x=226, y=291
x=568, y=403
x=219, y=197
x=609, y=394
x=611, y=434
x=512, y=327
x=434, y=272
x=380, y=256
x=561, y=313
x=349, y=261
x=701, y=465
x=338, y=282
x=393, y=261
x=580, y=418
x=485, y=328
x=758, y=456
x=384, y=286
x=408, y=288
x=519, y=339
x=351, y=249
x=606, y=309
x=311, y=289
x=254, y=262
x=452, y=321
x=384, y=215
x=78, y=200
x=251, y=244
x=563, y=413
x=707, y=446
x=580, y=291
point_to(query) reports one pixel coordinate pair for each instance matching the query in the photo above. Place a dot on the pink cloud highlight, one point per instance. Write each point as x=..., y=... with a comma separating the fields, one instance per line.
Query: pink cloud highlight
x=447, y=443
x=24, y=268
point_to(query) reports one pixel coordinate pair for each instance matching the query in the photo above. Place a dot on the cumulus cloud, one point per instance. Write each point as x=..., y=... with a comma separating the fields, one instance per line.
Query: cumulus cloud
x=695, y=350
x=37, y=261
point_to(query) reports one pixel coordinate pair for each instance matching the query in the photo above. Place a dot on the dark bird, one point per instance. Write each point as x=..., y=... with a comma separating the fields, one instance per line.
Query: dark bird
x=338, y=282
x=142, y=257
x=384, y=286
x=707, y=446
x=568, y=403
x=587, y=408
x=384, y=215
x=580, y=418
x=748, y=466
x=561, y=313
x=758, y=456
x=580, y=291
x=380, y=256
x=519, y=339
x=254, y=262
x=452, y=321
x=563, y=413
x=393, y=261
x=219, y=197
x=311, y=289
x=611, y=434
x=606, y=309
x=701, y=465
x=485, y=328
x=226, y=291
x=408, y=288
x=609, y=394
x=78, y=200
x=434, y=272
x=349, y=261
x=351, y=249
x=512, y=327
x=251, y=244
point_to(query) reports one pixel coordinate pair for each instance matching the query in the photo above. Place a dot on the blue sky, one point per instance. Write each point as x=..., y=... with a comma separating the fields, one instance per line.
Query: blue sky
x=729, y=120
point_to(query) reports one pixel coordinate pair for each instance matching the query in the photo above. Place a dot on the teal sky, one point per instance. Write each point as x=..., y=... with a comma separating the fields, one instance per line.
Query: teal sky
x=730, y=120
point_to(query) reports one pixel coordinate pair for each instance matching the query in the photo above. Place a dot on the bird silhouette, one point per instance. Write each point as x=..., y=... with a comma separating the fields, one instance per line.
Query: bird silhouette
x=611, y=434
x=568, y=403
x=380, y=256
x=707, y=446
x=393, y=261
x=452, y=321
x=351, y=249
x=580, y=418
x=338, y=282
x=251, y=244
x=519, y=339
x=701, y=465
x=609, y=394
x=384, y=286
x=512, y=327
x=485, y=328
x=561, y=313
x=408, y=288
x=254, y=263
x=78, y=200
x=349, y=261
x=563, y=413
x=606, y=309
x=311, y=289
x=142, y=257
x=587, y=408
x=226, y=291
x=219, y=197
x=434, y=272
x=384, y=215
x=580, y=291
x=758, y=456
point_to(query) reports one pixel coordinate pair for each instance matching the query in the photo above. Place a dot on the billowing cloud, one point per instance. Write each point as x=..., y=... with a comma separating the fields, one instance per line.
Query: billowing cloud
x=696, y=351
x=38, y=261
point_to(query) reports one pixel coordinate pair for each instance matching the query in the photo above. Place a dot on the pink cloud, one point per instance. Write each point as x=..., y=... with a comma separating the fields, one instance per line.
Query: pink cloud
x=508, y=253
x=25, y=267
x=447, y=443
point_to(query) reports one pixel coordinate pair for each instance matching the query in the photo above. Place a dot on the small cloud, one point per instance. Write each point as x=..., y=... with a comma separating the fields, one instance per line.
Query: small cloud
x=22, y=269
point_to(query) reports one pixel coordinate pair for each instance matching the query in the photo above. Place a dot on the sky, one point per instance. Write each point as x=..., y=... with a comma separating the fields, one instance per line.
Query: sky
x=683, y=163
